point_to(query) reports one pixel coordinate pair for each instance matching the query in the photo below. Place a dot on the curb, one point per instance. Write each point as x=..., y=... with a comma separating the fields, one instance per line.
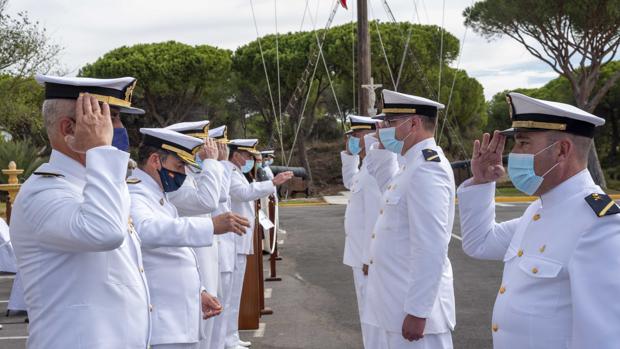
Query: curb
x=301, y=204
x=533, y=198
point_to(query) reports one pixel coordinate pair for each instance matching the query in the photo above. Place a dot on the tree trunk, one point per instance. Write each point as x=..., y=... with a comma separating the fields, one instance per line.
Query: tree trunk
x=303, y=155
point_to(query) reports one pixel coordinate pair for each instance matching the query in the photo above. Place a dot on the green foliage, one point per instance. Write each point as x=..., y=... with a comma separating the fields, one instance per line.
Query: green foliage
x=26, y=156
x=24, y=46
x=608, y=136
x=176, y=82
x=321, y=117
x=20, y=109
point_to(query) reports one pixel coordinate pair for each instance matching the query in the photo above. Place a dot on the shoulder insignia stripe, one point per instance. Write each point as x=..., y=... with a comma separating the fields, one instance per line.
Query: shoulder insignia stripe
x=48, y=174
x=602, y=204
x=431, y=155
x=133, y=181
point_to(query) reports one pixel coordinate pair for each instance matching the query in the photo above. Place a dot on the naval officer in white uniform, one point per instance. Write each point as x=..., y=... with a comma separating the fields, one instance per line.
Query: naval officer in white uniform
x=242, y=196
x=560, y=284
x=225, y=243
x=168, y=240
x=363, y=206
x=79, y=260
x=409, y=294
x=200, y=196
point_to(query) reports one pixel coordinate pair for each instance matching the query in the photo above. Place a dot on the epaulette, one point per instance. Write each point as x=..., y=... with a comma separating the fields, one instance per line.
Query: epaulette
x=602, y=204
x=431, y=155
x=132, y=180
x=48, y=174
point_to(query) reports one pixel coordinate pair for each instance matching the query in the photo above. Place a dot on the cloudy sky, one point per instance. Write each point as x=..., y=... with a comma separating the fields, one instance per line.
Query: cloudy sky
x=87, y=29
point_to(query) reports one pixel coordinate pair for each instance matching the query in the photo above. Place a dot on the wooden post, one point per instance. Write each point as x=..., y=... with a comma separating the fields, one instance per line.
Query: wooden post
x=363, y=57
x=12, y=187
x=250, y=309
x=273, y=257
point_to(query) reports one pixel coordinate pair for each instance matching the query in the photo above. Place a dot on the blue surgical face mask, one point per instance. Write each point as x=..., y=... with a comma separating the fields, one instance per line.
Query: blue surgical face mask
x=198, y=160
x=120, y=140
x=522, y=174
x=248, y=166
x=267, y=163
x=388, y=138
x=171, y=180
x=354, y=145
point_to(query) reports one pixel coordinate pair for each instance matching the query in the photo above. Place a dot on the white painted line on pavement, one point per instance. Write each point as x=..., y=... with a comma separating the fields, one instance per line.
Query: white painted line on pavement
x=268, y=292
x=298, y=277
x=457, y=237
x=280, y=242
x=15, y=337
x=7, y=277
x=260, y=333
x=4, y=301
x=504, y=205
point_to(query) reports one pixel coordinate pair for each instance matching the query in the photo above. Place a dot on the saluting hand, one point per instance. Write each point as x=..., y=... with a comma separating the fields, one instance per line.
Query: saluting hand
x=209, y=150
x=230, y=222
x=486, y=161
x=222, y=151
x=282, y=178
x=413, y=328
x=93, y=125
x=210, y=305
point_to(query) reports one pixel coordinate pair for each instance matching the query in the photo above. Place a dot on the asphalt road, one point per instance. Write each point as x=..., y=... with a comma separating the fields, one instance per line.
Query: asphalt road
x=314, y=305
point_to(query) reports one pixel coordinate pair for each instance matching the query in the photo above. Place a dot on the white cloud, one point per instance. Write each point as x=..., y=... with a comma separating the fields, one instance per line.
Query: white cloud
x=88, y=29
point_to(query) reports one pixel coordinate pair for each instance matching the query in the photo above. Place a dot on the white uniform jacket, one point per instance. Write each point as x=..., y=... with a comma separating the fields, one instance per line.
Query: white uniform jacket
x=169, y=260
x=410, y=272
x=199, y=196
x=560, y=284
x=226, y=242
x=362, y=210
x=242, y=197
x=80, y=266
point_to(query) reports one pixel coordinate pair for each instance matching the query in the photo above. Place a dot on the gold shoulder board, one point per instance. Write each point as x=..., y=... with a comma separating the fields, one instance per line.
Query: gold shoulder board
x=431, y=155
x=602, y=204
x=133, y=181
x=48, y=174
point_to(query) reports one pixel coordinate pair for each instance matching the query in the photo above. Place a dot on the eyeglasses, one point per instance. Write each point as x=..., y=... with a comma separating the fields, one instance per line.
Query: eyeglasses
x=391, y=122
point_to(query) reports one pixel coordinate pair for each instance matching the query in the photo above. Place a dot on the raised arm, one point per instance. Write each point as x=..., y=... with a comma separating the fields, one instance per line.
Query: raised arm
x=157, y=230
x=482, y=237
x=350, y=167
x=201, y=194
x=98, y=220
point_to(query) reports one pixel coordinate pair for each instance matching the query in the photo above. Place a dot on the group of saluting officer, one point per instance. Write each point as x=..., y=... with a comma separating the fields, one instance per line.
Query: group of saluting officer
x=561, y=283
x=154, y=259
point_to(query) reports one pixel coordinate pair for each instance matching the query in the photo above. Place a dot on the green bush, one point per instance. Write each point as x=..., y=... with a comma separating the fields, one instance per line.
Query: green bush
x=26, y=156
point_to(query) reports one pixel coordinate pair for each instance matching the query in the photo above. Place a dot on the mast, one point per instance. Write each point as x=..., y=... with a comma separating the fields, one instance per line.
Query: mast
x=363, y=58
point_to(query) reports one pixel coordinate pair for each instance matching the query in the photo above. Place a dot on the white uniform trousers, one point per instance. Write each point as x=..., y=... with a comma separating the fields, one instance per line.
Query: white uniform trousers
x=381, y=339
x=220, y=323
x=176, y=346
x=232, y=331
x=360, y=280
x=16, y=300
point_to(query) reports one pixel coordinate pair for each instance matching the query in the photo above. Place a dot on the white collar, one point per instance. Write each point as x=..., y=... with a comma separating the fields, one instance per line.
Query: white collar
x=68, y=166
x=147, y=180
x=418, y=147
x=571, y=186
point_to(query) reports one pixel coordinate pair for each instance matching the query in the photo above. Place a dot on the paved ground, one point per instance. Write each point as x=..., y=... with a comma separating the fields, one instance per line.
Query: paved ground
x=314, y=306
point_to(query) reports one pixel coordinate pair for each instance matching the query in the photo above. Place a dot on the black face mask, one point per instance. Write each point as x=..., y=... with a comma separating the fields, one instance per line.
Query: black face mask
x=171, y=180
